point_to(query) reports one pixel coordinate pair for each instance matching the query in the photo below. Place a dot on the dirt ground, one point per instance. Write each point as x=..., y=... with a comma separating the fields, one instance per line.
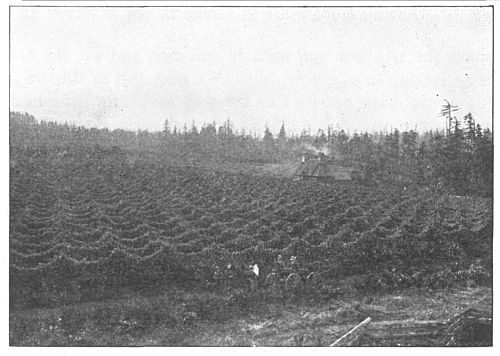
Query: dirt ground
x=304, y=325
x=153, y=321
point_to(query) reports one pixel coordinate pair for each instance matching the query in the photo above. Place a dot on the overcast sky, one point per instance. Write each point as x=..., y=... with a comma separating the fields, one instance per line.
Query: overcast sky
x=357, y=69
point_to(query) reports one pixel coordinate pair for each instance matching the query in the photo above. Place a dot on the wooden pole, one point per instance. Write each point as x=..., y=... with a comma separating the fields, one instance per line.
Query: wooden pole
x=351, y=332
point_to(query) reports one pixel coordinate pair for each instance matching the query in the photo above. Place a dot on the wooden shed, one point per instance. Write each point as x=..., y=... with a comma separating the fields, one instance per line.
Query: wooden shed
x=317, y=167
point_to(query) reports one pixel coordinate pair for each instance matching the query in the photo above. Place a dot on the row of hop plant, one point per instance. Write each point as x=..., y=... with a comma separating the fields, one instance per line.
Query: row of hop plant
x=190, y=211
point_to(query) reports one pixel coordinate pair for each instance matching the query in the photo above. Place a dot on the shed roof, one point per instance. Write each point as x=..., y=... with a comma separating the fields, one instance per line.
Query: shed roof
x=325, y=170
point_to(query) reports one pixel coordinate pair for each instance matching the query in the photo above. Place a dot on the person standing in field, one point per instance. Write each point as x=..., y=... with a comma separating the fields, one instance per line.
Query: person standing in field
x=254, y=275
x=294, y=265
x=280, y=265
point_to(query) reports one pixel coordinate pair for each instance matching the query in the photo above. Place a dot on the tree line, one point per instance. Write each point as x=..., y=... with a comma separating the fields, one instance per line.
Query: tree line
x=458, y=159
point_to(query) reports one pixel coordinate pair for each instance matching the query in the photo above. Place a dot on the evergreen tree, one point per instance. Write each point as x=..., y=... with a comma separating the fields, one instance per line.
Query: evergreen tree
x=194, y=129
x=320, y=139
x=268, y=136
x=409, y=144
x=282, y=133
x=166, y=127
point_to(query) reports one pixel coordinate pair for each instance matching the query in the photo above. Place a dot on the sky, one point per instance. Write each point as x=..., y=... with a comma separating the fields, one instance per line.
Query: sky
x=351, y=68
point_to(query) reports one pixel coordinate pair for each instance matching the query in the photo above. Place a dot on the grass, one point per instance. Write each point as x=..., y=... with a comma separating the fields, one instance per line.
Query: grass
x=185, y=318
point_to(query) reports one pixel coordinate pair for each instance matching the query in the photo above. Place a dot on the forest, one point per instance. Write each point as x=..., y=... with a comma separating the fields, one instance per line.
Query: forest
x=458, y=159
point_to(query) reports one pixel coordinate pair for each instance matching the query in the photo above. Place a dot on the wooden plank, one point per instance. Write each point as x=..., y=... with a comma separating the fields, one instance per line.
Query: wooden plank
x=407, y=322
x=407, y=332
x=380, y=334
x=403, y=324
x=352, y=334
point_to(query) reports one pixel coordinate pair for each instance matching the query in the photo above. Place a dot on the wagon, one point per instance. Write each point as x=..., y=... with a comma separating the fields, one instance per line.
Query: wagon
x=294, y=280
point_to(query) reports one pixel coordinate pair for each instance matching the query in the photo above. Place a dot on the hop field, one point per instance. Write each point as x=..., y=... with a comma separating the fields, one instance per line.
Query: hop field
x=84, y=225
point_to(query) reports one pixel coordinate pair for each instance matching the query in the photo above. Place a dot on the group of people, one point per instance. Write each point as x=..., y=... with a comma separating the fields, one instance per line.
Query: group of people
x=281, y=265
x=230, y=272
